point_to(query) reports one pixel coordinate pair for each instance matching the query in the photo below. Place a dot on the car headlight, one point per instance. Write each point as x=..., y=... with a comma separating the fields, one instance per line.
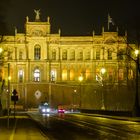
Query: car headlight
x=43, y=110
x=48, y=109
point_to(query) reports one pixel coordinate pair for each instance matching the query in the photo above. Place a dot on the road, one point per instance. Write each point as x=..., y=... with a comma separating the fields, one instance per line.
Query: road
x=77, y=126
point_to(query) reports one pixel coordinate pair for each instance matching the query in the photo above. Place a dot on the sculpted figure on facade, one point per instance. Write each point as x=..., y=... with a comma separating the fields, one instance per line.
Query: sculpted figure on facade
x=37, y=17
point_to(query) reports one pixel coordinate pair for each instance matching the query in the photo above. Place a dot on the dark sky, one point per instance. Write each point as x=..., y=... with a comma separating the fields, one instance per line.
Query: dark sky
x=73, y=17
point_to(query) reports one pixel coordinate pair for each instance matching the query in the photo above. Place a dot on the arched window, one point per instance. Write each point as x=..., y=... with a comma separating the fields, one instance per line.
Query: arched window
x=80, y=55
x=64, y=55
x=121, y=74
x=53, y=75
x=72, y=74
x=87, y=56
x=130, y=74
x=72, y=55
x=20, y=75
x=36, y=75
x=64, y=74
x=37, y=52
x=88, y=74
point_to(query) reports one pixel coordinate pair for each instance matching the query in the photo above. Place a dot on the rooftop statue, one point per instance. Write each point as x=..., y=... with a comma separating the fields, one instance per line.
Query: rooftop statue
x=37, y=17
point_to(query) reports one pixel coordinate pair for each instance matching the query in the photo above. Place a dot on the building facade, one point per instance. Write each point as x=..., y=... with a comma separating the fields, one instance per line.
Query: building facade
x=39, y=57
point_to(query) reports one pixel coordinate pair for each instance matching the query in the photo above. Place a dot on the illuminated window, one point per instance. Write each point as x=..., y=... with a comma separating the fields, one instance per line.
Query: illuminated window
x=130, y=74
x=64, y=55
x=110, y=75
x=71, y=75
x=64, y=75
x=97, y=54
x=36, y=75
x=121, y=74
x=37, y=52
x=54, y=54
x=88, y=74
x=20, y=75
x=53, y=75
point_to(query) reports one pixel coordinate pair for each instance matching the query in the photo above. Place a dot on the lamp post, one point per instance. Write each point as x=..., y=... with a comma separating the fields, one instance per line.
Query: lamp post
x=80, y=80
x=8, y=96
x=1, y=84
x=136, y=108
x=103, y=70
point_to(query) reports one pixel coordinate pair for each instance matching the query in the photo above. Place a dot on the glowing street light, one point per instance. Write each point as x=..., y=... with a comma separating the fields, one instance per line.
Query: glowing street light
x=1, y=50
x=81, y=78
x=103, y=70
x=136, y=53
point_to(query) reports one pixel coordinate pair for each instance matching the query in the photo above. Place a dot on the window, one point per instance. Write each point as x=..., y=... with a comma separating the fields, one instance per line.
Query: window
x=88, y=74
x=72, y=74
x=9, y=55
x=36, y=75
x=120, y=54
x=72, y=55
x=80, y=56
x=37, y=52
x=64, y=55
x=97, y=54
x=121, y=74
x=20, y=76
x=130, y=74
x=110, y=76
x=64, y=75
x=87, y=55
x=54, y=54
x=109, y=55
x=20, y=55
x=53, y=75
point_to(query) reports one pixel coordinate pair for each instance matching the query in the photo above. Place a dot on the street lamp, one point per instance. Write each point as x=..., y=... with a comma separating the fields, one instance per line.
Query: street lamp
x=8, y=95
x=136, y=108
x=2, y=82
x=103, y=70
x=80, y=80
x=73, y=101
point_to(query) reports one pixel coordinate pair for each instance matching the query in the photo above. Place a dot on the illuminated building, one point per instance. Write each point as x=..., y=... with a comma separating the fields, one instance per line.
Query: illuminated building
x=38, y=57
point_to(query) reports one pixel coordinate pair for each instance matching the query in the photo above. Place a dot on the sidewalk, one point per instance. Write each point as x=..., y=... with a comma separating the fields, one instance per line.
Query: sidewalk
x=20, y=128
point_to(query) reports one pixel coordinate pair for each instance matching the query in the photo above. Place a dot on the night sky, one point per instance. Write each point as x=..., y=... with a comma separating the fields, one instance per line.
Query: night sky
x=73, y=17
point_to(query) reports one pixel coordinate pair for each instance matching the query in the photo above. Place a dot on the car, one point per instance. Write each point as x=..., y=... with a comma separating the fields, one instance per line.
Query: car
x=44, y=108
x=61, y=110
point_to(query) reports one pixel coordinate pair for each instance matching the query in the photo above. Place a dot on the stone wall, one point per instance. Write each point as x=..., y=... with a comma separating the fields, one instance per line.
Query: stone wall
x=93, y=97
